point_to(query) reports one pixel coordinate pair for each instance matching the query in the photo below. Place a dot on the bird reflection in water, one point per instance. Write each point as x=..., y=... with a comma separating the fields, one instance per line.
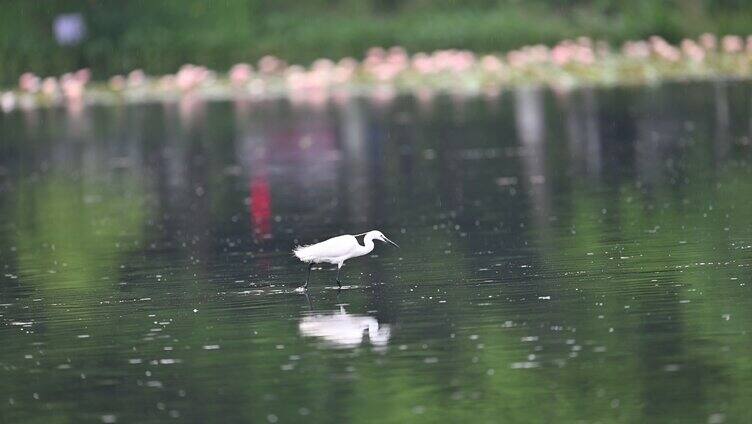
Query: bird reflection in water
x=343, y=330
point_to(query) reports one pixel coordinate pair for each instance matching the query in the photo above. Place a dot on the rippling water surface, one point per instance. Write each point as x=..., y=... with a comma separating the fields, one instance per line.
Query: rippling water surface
x=565, y=257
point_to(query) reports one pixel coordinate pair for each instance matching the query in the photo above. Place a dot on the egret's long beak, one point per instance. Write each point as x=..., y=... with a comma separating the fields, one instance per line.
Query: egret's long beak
x=387, y=240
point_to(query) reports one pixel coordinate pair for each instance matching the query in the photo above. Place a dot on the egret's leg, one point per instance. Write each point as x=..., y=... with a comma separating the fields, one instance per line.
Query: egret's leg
x=339, y=283
x=308, y=299
x=308, y=275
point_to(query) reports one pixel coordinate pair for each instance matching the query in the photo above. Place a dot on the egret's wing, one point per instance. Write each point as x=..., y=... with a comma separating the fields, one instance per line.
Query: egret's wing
x=335, y=247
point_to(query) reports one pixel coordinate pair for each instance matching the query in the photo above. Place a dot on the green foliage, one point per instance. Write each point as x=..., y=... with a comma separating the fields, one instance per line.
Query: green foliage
x=160, y=36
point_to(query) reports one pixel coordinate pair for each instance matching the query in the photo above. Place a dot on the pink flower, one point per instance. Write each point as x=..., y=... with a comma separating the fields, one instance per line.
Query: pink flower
x=83, y=75
x=29, y=82
x=538, y=53
x=376, y=54
x=49, y=86
x=562, y=53
x=517, y=59
x=190, y=77
x=72, y=86
x=692, y=50
x=374, y=57
x=708, y=41
x=423, y=64
x=296, y=78
x=636, y=49
x=398, y=57
x=348, y=62
x=136, y=78
x=322, y=65
x=491, y=64
x=386, y=71
x=344, y=71
x=464, y=60
x=584, y=55
x=186, y=79
x=732, y=44
x=270, y=64
x=664, y=50
x=240, y=74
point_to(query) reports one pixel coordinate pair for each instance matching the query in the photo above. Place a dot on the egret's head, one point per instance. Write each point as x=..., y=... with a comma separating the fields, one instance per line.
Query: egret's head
x=378, y=235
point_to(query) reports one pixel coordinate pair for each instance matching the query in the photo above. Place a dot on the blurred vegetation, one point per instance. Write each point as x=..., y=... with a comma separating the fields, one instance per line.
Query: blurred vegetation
x=161, y=36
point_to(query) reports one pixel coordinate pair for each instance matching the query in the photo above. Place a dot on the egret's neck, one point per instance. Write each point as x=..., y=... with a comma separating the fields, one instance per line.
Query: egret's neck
x=368, y=242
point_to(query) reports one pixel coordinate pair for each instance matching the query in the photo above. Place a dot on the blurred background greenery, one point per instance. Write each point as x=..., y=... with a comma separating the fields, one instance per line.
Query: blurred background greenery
x=159, y=36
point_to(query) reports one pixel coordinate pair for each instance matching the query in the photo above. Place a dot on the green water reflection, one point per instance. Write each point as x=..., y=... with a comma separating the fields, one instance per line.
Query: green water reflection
x=566, y=257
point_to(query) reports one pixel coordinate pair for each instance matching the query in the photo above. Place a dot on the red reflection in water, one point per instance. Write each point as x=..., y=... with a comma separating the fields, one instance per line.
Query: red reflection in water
x=261, y=208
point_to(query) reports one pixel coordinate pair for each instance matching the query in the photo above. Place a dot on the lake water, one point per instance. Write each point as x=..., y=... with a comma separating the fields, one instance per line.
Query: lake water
x=565, y=257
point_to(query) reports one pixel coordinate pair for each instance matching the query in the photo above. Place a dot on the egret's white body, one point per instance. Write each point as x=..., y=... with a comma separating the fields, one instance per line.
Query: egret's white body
x=337, y=250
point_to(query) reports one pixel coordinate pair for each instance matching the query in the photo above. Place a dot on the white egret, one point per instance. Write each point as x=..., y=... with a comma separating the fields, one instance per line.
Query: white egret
x=337, y=250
